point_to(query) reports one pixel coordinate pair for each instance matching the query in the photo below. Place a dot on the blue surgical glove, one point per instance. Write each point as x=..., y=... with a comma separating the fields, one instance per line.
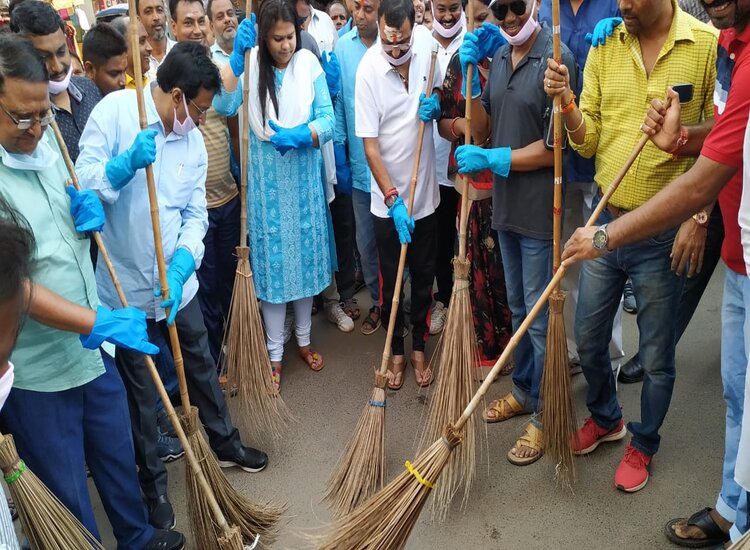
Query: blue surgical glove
x=121, y=169
x=402, y=220
x=478, y=45
x=244, y=39
x=429, y=108
x=180, y=270
x=122, y=327
x=602, y=30
x=343, y=172
x=86, y=209
x=471, y=159
x=286, y=139
x=332, y=68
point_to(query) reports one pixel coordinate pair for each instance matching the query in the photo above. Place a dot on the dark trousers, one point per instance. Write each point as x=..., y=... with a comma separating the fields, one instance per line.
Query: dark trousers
x=216, y=274
x=421, y=262
x=59, y=433
x=342, y=215
x=203, y=387
x=447, y=213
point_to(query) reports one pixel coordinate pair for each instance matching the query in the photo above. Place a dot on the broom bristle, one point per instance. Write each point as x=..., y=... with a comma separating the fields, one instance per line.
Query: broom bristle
x=386, y=520
x=458, y=357
x=250, y=518
x=46, y=522
x=231, y=540
x=360, y=471
x=559, y=416
x=257, y=408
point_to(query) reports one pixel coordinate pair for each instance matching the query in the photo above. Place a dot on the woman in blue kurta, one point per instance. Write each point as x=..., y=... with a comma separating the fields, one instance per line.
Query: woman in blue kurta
x=291, y=116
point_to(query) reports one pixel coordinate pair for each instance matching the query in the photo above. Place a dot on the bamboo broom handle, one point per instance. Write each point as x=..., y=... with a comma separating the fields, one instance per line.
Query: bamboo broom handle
x=557, y=130
x=404, y=247
x=192, y=460
x=463, y=218
x=541, y=302
x=244, y=160
x=154, y=202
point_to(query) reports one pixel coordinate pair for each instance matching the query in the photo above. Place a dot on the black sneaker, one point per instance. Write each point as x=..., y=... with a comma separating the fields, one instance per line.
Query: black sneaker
x=168, y=448
x=249, y=459
x=160, y=513
x=166, y=540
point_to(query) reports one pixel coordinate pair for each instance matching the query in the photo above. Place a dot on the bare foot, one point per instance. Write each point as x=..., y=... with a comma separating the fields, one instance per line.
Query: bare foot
x=522, y=451
x=685, y=531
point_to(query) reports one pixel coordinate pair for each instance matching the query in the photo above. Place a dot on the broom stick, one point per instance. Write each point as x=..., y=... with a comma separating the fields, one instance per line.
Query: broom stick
x=360, y=471
x=386, y=520
x=558, y=416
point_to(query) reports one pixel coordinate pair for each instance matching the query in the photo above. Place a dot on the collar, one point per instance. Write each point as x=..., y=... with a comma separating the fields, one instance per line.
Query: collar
x=539, y=48
x=216, y=49
x=458, y=38
x=76, y=94
x=680, y=30
x=130, y=82
x=729, y=36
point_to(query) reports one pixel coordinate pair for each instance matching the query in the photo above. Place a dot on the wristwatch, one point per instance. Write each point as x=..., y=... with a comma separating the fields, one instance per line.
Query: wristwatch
x=600, y=238
x=390, y=200
x=701, y=218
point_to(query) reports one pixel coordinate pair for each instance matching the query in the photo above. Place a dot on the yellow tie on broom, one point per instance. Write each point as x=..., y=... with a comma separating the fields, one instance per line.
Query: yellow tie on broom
x=386, y=520
x=360, y=471
x=257, y=406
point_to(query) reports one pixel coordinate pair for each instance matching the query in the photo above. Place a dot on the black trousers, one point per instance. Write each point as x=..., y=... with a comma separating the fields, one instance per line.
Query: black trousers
x=342, y=215
x=421, y=262
x=203, y=388
x=447, y=214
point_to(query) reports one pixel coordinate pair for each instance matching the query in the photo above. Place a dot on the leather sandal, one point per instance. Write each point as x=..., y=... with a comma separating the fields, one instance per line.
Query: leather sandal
x=313, y=359
x=531, y=438
x=504, y=408
x=422, y=373
x=703, y=521
x=396, y=373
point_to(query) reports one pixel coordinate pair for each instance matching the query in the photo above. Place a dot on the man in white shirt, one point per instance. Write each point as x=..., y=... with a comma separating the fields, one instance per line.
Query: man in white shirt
x=390, y=79
x=318, y=24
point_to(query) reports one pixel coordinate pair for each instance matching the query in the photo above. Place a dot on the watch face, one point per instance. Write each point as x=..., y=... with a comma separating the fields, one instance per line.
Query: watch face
x=701, y=217
x=600, y=239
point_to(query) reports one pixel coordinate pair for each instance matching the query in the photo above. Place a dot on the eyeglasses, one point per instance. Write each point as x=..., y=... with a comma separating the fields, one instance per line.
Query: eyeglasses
x=201, y=112
x=501, y=10
x=26, y=123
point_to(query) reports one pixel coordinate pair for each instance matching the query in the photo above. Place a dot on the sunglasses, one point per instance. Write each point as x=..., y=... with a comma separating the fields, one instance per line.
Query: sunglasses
x=501, y=10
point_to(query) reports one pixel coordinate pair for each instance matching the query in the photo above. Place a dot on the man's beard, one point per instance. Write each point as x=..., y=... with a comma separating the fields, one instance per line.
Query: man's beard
x=158, y=36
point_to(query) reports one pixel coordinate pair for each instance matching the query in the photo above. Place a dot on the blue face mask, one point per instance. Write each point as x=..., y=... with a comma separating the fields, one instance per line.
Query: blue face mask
x=42, y=158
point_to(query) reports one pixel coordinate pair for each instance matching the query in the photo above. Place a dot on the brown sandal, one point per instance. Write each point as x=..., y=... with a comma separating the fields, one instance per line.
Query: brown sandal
x=502, y=409
x=422, y=374
x=276, y=376
x=396, y=374
x=531, y=438
x=312, y=358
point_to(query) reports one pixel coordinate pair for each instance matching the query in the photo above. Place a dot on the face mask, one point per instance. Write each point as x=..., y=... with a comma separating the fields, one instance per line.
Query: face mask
x=451, y=32
x=42, y=158
x=183, y=128
x=6, y=384
x=397, y=61
x=526, y=31
x=56, y=87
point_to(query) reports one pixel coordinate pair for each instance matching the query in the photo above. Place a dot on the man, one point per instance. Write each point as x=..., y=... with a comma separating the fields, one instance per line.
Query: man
x=151, y=14
x=188, y=21
x=350, y=50
x=386, y=119
x=718, y=171
x=73, y=97
x=68, y=407
x=105, y=57
x=223, y=22
x=113, y=153
x=318, y=24
x=606, y=125
x=144, y=50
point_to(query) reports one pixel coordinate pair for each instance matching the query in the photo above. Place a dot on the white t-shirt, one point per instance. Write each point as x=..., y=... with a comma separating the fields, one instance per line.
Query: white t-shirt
x=385, y=110
x=323, y=31
x=154, y=64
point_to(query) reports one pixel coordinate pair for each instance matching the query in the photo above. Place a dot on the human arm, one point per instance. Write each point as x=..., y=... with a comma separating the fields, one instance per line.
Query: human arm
x=664, y=127
x=244, y=40
x=233, y=125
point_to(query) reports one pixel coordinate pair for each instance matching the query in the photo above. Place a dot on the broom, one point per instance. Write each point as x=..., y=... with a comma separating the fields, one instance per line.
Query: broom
x=46, y=522
x=360, y=471
x=457, y=353
x=258, y=405
x=559, y=416
x=385, y=521
x=202, y=503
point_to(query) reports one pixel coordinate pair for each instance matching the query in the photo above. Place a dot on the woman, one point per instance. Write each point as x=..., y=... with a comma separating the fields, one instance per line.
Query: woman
x=492, y=317
x=291, y=116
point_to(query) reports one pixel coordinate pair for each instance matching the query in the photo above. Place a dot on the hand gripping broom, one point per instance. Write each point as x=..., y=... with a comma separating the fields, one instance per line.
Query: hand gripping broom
x=386, y=520
x=360, y=471
x=258, y=406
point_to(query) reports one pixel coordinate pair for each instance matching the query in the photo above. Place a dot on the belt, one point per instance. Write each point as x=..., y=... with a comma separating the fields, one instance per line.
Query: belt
x=614, y=210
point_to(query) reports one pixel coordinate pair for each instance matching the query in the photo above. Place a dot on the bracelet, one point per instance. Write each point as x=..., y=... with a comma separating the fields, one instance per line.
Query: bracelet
x=453, y=128
x=577, y=127
x=681, y=142
x=392, y=192
x=568, y=107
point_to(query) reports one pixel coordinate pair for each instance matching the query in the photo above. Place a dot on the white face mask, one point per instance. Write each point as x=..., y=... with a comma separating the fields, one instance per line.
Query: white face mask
x=6, y=384
x=393, y=35
x=451, y=32
x=56, y=87
x=526, y=31
x=42, y=158
x=185, y=127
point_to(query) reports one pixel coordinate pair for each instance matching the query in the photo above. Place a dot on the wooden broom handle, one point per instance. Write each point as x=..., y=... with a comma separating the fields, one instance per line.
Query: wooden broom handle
x=245, y=140
x=191, y=458
x=463, y=218
x=404, y=247
x=154, y=202
x=557, y=132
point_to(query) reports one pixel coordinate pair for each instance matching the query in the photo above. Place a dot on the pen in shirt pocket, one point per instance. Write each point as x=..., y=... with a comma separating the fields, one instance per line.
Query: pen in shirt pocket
x=179, y=169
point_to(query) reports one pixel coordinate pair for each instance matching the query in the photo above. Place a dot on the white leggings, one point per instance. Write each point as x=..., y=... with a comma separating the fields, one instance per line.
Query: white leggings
x=274, y=316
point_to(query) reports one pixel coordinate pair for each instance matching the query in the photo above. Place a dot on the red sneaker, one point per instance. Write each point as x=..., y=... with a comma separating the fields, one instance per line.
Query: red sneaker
x=587, y=439
x=632, y=473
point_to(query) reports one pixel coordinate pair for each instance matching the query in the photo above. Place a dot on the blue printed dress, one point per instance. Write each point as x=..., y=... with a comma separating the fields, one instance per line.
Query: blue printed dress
x=289, y=235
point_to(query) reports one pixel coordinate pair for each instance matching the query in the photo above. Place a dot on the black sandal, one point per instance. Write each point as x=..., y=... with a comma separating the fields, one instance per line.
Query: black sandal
x=703, y=521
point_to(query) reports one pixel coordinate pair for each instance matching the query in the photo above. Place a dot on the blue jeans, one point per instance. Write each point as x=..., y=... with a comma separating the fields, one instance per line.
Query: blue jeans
x=528, y=269
x=735, y=341
x=368, y=249
x=657, y=292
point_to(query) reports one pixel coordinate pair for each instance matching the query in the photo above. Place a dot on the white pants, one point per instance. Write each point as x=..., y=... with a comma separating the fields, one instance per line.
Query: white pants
x=274, y=316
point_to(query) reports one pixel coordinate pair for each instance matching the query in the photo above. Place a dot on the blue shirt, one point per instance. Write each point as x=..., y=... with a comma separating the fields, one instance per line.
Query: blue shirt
x=350, y=50
x=180, y=174
x=346, y=28
x=573, y=30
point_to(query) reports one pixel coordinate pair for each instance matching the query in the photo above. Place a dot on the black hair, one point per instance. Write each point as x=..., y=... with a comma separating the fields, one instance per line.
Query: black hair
x=465, y=3
x=101, y=43
x=272, y=11
x=340, y=3
x=173, y=6
x=36, y=19
x=16, y=253
x=12, y=5
x=189, y=68
x=120, y=24
x=19, y=59
x=396, y=12
x=210, y=4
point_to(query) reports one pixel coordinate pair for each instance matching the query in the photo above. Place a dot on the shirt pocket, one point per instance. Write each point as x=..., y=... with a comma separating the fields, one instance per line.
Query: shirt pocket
x=182, y=184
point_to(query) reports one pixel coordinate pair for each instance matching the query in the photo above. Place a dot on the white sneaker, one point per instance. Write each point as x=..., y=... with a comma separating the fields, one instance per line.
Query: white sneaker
x=437, y=318
x=336, y=315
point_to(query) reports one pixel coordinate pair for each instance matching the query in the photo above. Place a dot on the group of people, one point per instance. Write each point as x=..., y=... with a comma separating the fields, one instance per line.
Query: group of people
x=336, y=95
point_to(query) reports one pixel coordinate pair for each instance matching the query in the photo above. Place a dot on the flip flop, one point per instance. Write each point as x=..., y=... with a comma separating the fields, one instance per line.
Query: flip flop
x=396, y=374
x=422, y=374
x=703, y=521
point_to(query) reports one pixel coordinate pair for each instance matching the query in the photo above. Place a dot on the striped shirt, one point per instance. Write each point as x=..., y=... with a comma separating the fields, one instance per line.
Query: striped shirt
x=617, y=93
x=220, y=185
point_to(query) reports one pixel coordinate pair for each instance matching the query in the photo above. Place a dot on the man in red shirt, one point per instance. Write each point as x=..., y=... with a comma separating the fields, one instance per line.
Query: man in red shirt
x=718, y=171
